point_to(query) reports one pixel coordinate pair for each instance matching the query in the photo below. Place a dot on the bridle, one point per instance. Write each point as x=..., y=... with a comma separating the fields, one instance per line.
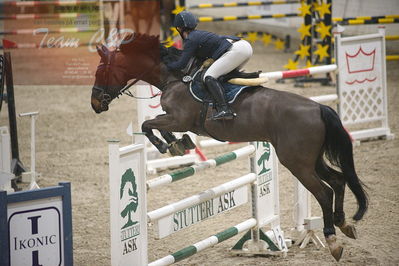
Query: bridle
x=106, y=96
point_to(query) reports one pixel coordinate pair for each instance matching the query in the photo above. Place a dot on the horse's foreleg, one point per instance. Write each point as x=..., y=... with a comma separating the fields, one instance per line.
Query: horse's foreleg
x=147, y=128
x=165, y=124
x=168, y=136
x=185, y=140
x=176, y=147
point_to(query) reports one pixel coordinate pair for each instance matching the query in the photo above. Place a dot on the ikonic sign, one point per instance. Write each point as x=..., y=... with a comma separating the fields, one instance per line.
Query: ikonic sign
x=38, y=227
x=35, y=235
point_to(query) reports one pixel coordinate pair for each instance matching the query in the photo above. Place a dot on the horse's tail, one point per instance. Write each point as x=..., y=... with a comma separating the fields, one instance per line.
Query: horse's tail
x=339, y=151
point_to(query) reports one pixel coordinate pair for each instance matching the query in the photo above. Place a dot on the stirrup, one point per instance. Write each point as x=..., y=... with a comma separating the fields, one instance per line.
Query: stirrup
x=224, y=115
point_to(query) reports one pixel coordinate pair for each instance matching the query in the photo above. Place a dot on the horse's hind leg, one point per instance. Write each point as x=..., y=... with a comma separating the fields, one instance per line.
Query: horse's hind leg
x=324, y=196
x=337, y=182
x=303, y=167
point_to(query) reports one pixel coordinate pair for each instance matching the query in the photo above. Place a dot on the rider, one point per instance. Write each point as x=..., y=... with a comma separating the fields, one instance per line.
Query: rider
x=229, y=53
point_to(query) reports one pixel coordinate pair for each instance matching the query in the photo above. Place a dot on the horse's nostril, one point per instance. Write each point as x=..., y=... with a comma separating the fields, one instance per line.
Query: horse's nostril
x=96, y=105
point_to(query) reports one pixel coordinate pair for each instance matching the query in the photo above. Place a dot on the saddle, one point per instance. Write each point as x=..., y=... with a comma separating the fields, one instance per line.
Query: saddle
x=233, y=83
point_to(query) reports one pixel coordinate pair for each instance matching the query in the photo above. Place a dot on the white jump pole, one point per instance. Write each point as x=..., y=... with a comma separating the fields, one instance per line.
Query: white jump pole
x=33, y=116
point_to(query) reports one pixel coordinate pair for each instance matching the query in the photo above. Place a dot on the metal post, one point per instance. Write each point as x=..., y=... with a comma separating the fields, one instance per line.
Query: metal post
x=17, y=166
x=2, y=94
x=33, y=116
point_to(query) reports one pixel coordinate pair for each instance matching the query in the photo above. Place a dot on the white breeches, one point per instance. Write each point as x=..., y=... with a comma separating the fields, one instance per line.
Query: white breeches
x=236, y=57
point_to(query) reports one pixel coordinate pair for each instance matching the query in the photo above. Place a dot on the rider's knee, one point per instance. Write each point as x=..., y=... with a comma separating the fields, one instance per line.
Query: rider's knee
x=208, y=78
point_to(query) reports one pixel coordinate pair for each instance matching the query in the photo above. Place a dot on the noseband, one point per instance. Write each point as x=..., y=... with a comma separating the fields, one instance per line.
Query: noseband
x=106, y=96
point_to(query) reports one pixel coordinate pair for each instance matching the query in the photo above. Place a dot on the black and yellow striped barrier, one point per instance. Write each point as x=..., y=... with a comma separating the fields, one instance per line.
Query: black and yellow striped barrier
x=231, y=18
x=367, y=20
x=392, y=57
x=392, y=37
x=251, y=3
x=267, y=39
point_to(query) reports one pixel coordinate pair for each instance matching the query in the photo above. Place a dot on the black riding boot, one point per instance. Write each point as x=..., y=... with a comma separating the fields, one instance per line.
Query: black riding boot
x=217, y=92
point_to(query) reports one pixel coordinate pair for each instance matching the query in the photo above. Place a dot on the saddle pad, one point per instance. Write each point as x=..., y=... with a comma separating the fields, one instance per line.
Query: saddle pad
x=199, y=93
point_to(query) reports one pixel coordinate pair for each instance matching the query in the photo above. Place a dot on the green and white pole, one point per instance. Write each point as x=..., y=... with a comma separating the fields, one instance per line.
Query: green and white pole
x=190, y=171
x=206, y=243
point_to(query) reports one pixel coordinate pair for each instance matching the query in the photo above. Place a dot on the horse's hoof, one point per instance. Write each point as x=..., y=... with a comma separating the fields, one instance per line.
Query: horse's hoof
x=337, y=253
x=187, y=142
x=335, y=249
x=163, y=148
x=176, y=148
x=349, y=230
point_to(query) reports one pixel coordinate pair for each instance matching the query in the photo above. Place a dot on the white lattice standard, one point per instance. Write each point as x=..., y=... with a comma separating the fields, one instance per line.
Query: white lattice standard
x=362, y=84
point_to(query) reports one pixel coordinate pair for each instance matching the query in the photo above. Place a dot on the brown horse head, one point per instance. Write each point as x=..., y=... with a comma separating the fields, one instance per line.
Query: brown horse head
x=136, y=58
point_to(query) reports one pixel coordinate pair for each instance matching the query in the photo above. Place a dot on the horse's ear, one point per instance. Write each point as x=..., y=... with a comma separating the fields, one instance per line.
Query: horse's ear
x=102, y=51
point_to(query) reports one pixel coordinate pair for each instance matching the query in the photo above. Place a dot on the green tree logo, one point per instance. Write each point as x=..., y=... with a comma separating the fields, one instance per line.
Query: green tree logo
x=129, y=181
x=264, y=157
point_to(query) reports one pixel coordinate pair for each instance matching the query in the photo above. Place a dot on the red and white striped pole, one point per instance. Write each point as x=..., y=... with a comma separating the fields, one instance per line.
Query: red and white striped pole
x=41, y=3
x=299, y=72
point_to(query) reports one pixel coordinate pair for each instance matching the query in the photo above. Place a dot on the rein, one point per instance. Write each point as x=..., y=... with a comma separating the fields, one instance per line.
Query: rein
x=125, y=90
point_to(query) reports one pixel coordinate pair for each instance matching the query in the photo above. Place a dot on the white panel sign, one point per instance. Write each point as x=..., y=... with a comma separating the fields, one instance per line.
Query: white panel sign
x=362, y=83
x=267, y=187
x=128, y=205
x=36, y=235
x=197, y=213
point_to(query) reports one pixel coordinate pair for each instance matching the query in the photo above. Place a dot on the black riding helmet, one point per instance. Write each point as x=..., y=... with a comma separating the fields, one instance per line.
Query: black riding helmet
x=185, y=20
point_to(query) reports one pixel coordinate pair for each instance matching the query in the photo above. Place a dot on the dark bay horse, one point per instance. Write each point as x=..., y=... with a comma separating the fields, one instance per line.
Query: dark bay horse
x=308, y=137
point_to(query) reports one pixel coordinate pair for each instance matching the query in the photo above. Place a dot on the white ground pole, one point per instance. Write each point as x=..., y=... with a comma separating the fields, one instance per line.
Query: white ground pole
x=33, y=117
x=5, y=160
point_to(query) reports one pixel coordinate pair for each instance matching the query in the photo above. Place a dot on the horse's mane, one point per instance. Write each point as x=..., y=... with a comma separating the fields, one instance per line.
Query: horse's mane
x=145, y=44
x=169, y=54
x=133, y=43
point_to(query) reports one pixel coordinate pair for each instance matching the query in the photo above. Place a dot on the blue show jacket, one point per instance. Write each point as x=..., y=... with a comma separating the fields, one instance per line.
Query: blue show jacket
x=203, y=45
